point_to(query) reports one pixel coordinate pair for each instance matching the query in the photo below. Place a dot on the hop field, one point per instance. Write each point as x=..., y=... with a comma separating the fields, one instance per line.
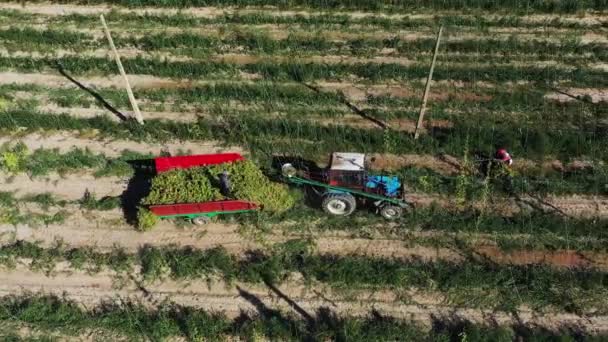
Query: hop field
x=298, y=80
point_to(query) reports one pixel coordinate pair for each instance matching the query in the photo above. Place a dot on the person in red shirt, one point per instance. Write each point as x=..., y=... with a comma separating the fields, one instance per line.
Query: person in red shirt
x=503, y=156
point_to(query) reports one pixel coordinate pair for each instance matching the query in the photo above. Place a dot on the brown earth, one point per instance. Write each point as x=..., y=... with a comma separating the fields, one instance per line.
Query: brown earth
x=589, y=18
x=573, y=94
x=292, y=297
x=104, y=230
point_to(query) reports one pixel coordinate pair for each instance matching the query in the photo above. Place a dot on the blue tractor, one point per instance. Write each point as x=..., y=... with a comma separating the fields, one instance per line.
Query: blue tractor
x=346, y=181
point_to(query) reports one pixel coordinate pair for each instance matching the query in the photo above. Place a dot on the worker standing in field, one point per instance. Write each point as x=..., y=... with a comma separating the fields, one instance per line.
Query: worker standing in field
x=503, y=171
x=504, y=157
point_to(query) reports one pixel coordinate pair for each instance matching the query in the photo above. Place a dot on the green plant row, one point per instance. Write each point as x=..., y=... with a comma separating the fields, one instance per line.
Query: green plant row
x=335, y=20
x=15, y=158
x=170, y=320
x=474, y=283
x=294, y=71
x=592, y=180
x=297, y=101
x=10, y=213
x=267, y=136
x=570, y=50
x=533, y=6
x=530, y=229
x=40, y=162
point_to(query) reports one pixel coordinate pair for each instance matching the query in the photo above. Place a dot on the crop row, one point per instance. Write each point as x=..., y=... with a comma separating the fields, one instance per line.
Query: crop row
x=17, y=158
x=267, y=135
x=533, y=229
x=592, y=180
x=11, y=208
x=407, y=6
x=463, y=284
x=11, y=214
x=43, y=161
x=297, y=101
x=51, y=313
x=535, y=224
x=569, y=50
x=301, y=72
x=338, y=21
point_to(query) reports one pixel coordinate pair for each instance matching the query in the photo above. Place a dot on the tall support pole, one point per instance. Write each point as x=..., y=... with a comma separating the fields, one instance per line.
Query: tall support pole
x=134, y=105
x=428, y=87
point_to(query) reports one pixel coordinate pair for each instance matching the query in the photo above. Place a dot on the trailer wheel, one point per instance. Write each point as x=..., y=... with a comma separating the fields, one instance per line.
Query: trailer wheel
x=391, y=212
x=201, y=220
x=339, y=204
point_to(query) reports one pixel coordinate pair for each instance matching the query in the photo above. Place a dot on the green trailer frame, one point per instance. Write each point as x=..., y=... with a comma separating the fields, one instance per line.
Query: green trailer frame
x=305, y=181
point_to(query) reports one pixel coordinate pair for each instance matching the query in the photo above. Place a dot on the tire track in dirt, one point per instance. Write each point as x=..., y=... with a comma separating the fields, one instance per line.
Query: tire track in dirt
x=350, y=120
x=68, y=187
x=444, y=89
x=105, y=230
x=232, y=300
x=589, y=17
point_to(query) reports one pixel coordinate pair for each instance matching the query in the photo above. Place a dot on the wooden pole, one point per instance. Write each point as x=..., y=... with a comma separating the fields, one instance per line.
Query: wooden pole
x=428, y=87
x=134, y=105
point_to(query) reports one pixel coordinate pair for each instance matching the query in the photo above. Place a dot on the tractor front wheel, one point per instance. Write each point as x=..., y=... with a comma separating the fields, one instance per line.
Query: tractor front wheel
x=391, y=212
x=339, y=204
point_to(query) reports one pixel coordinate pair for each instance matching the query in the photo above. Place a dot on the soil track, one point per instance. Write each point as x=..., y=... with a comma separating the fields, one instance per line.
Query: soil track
x=291, y=297
x=69, y=187
x=210, y=12
x=107, y=229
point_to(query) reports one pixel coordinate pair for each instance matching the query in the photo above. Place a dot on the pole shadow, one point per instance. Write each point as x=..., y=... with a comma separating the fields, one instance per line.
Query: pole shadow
x=92, y=92
x=352, y=107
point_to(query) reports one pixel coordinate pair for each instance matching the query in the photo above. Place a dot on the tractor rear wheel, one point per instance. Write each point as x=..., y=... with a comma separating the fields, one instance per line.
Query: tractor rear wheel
x=339, y=204
x=391, y=212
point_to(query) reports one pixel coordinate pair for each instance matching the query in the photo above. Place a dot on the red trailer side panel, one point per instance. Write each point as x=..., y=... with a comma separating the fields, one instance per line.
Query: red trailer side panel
x=201, y=208
x=184, y=162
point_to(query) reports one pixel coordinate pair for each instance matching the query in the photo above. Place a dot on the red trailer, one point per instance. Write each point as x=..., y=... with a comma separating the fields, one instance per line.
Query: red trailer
x=199, y=213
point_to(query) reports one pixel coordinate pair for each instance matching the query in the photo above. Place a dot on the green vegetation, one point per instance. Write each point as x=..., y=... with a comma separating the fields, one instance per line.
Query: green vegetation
x=299, y=71
x=11, y=213
x=146, y=220
x=468, y=283
x=202, y=184
x=136, y=321
x=15, y=158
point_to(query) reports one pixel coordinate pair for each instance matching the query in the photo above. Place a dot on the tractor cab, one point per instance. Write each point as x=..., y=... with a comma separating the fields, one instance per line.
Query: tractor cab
x=349, y=170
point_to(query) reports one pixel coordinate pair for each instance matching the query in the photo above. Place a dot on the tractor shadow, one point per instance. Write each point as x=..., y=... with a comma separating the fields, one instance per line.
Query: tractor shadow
x=138, y=187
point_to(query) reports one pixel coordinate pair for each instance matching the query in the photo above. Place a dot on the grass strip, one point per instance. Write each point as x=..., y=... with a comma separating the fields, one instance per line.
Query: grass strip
x=336, y=20
x=16, y=158
x=265, y=137
x=474, y=283
x=591, y=180
x=532, y=229
x=299, y=72
x=170, y=320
